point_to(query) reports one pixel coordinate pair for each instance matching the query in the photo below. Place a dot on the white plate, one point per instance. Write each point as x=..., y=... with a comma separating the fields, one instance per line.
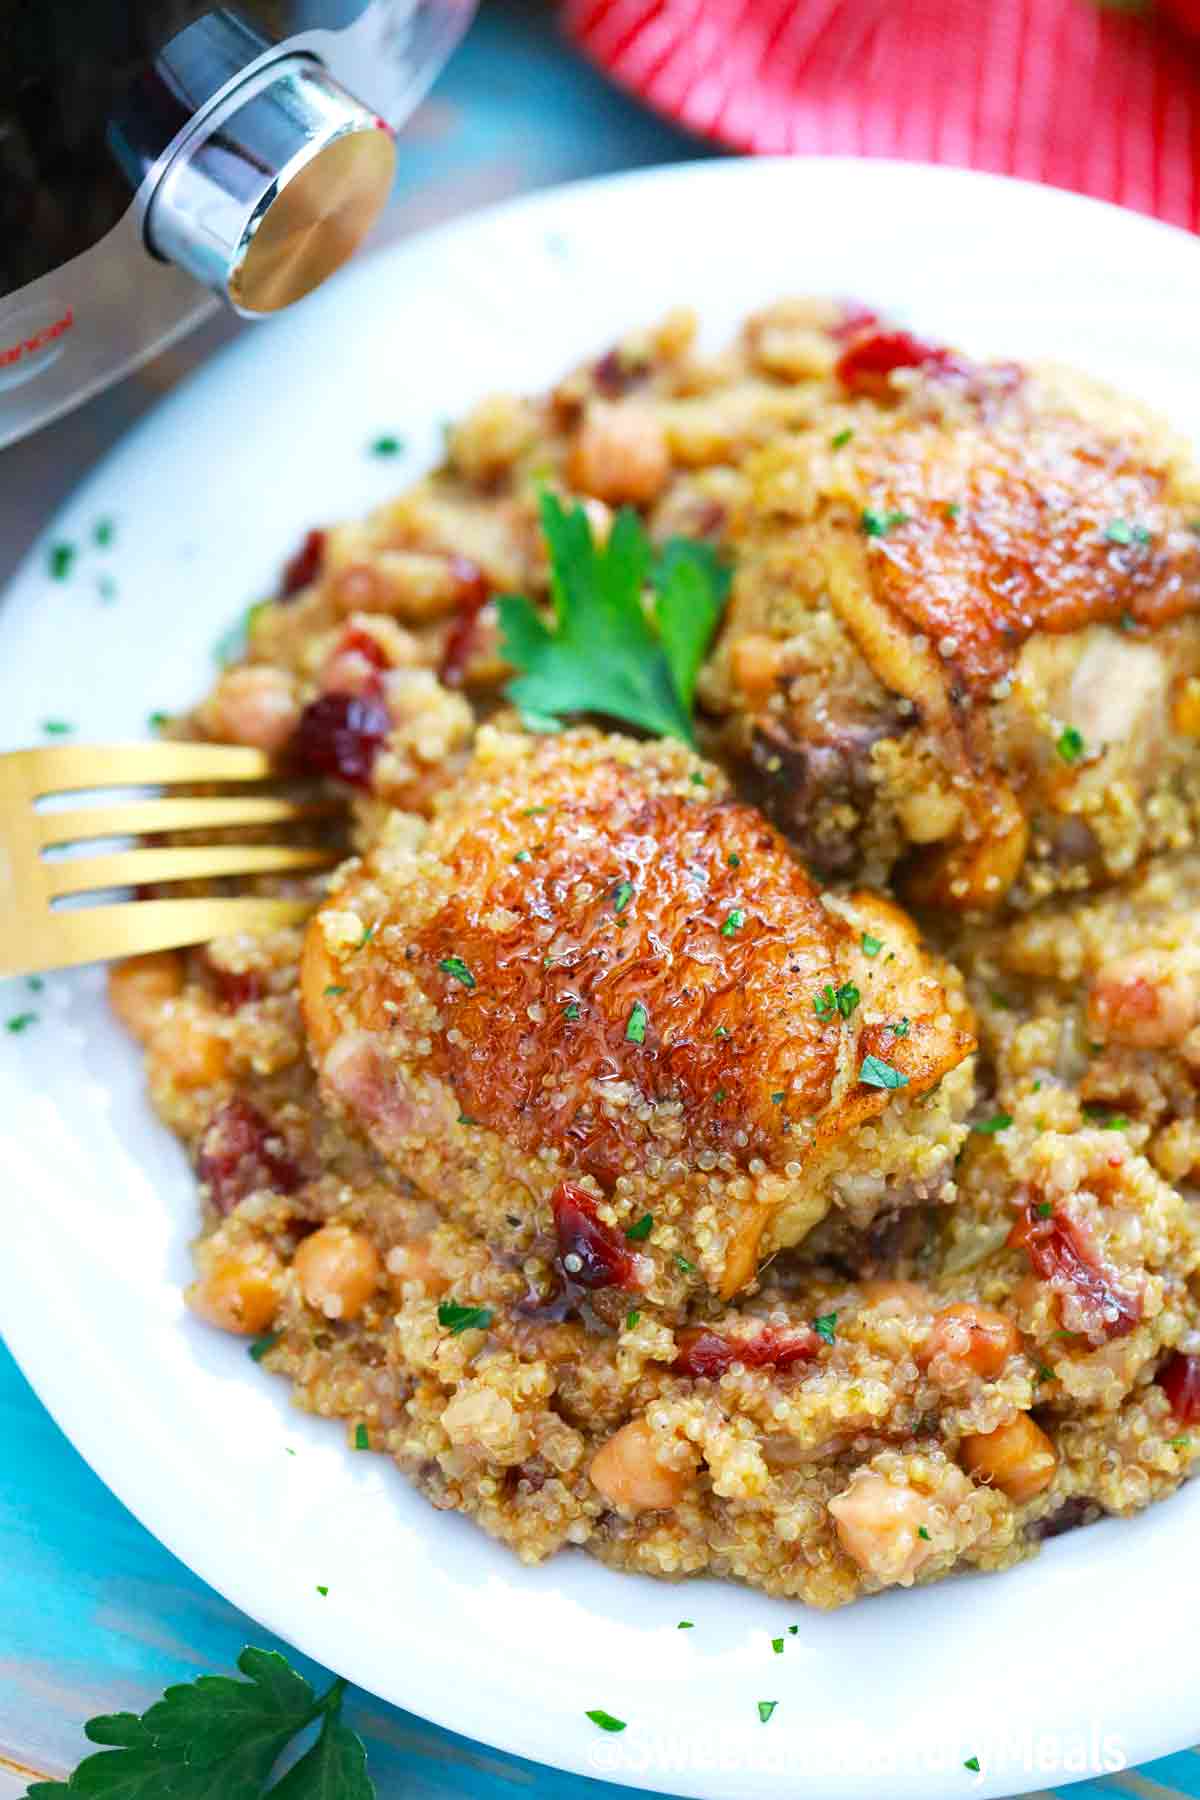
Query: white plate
x=1082, y=1657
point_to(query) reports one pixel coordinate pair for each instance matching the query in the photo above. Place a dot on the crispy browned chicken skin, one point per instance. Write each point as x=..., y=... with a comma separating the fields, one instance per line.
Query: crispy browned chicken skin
x=964, y=634
x=595, y=969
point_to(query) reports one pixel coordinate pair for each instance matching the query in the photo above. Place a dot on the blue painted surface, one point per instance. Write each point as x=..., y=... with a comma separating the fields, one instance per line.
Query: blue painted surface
x=95, y=1614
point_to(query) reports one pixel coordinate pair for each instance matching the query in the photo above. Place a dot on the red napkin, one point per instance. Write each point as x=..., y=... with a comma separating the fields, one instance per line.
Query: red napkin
x=1102, y=101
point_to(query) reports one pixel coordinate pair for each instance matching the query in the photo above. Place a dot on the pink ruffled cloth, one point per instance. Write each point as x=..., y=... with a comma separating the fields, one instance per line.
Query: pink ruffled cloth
x=1101, y=101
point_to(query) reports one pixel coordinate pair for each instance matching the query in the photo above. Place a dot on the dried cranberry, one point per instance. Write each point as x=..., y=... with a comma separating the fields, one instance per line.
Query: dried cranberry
x=473, y=591
x=871, y=355
x=1179, y=1379
x=590, y=1253
x=241, y=1152
x=855, y=318
x=704, y=1352
x=303, y=568
x=236, y=987
x=340, y=735
x=1056, y=1248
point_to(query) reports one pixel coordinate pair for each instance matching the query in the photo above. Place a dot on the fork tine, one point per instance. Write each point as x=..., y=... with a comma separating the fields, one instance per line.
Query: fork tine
x=137, y=816
x=57, y=768
x=102, y=933
x=132, y=868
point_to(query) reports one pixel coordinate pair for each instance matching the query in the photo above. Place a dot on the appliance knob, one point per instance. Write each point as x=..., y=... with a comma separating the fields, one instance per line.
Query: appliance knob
x=274, y=188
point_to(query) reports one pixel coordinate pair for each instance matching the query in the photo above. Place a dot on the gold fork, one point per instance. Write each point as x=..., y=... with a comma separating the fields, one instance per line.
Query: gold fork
x=36, y=935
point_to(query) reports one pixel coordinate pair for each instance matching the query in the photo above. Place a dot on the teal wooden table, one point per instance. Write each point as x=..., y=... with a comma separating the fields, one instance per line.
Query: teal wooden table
x=95, y=1615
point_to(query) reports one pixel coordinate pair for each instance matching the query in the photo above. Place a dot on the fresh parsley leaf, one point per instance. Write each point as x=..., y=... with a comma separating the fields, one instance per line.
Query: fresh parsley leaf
x=57, y=727
x=322, y=1589
x=871, y=946
x=841, y=438
x=972, y=1763
x=825, y=1002
x=733, y=860
x=635, y=1025
x=103, y=533
x=387, y=445
x=686, y=1625
x=456, y=968
x=158, y=720
x=766, y=1708
x=572, y=1012
x=1120, y=531
x=631, y=1318
x=455, y=1319
x=847, y=998
x=258, y=1349
x=61, y=558
x=1070, y=745
x=523, y=856
x=901, y=1027
x=21, y=1022
x=605, y=1720
x=362, y=1438
x=951, y=512
x=879, y=1074
x=826, y=1327
x=641, y=1229
x=334, y=1769
x=333, y=990
x=1107, y=1121
x=1044, y=1209
x=777, y=1646
x=733, y=923
x=878, y=524
x=603, y=654
x=989, y=1127
x=778, y=1098
x=622, y=894
x=922, y=1533
x=683, y=1265
x=1180, y=1443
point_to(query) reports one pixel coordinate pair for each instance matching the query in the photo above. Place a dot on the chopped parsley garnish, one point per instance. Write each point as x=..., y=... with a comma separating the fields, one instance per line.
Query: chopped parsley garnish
x=1120, y=531
x=734, y=860
x=683, y=1265
x=57, y=727
x=722, y=1031
x=362, y=1438
x=1127, y=622
x=1044, y=1209
x=523, y=856
x=364, y=940
x=456, y=968
x=157, y=720
x=1045, y=1374
x=901, y=1027
x=922, y=1533
x=258, y=1349
x=322, y=1589
x=830, y=1000
x=871, y=946
x=103, y=532
x=878, y=1074
x=387, y=445
x=62, y=556
x=455, y=1319
x=605, y=1720
x=466, y=1119
x=1070, y=745
x=989, y=1127
x=878, y=524
x=631, y=1318
x=733, y=922
x=972, y=1763
x=534, y=812
x=635, y=1025
x=777, y=1099
x=1180, y=1443
x=826, y=1327
x=686, y=1625
x=1107, y=1121
x=841, y=438
x=605, y=653
x=697, y=779
x=571, y=1012
x=777, y=1646
x=952, y=511
x=719, y=1096
x=35, y=984
x=766, y=1708
x=333, y=990
x=792, y=1630
x=622, y=894
x=640, y=1230
x=22, y=1021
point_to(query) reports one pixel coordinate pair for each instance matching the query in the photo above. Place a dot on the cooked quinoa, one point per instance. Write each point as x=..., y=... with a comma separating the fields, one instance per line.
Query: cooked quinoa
x=614, y=1148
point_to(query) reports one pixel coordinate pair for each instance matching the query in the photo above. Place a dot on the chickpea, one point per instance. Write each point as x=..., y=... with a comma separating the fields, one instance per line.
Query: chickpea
x=256, y=705
x=1145, y=999
x=756, y=662
x=1018, y=1458
x=237, y=1294
x=879, y=1524
x=969, y=1338
x=190, y=1053
x=620, y=455
x=1186, y=712
x=338, y=1270
x=629, y=1475
x=141, y=989
x=414, y=1262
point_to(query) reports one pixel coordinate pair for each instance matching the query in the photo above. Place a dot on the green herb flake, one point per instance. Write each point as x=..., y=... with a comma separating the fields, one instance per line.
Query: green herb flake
x=364, y=940
x=571, y=1012
x=847, y=998
x=878, y=524
x=1127, y=622
x=777, y=1646
x=989, y=1127
x=1181, y=1443
x=733, y=860
x=605, y=1720
x=722, y=1031
x=719, y=1096
x=826, y=1327
x=333, y=990
x=258, y=1349
x=1044, y=1209
x=466, y=1119
x=733, y=923
x=456, y=1319
x=697, y=779
x=523, y=856
x=362, y=1438
x=631, y=1319
x=622, y=894
x=35, y=984
x=766, y=1708
x=922, y=1533
x=778, y=1098
x=871, y=946
x=635, y=1025
x=972, y=1763
x=57, y=728
x=640, y=1230
x=61, y=559
x=534, y=812
x=900, y=1027
x=158, y=721
x=1045, y=1374
x=683, y=1265
x=792, y=1630
x=1070, y=745
x=322, y=1589
x=686, y=1625
x=951, y=511
x=1120, y=531
x=1100, y=1116
x=103, y=533
x=878, y=1074
x=604, y=652
x=840, y=439
x=825, y=1003
x=456, y=968
x=21, y=1022
x=387, y=445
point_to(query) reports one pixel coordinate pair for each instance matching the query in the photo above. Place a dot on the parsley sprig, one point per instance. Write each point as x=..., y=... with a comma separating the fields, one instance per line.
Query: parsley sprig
x=606, y=653
x=219, y=1736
